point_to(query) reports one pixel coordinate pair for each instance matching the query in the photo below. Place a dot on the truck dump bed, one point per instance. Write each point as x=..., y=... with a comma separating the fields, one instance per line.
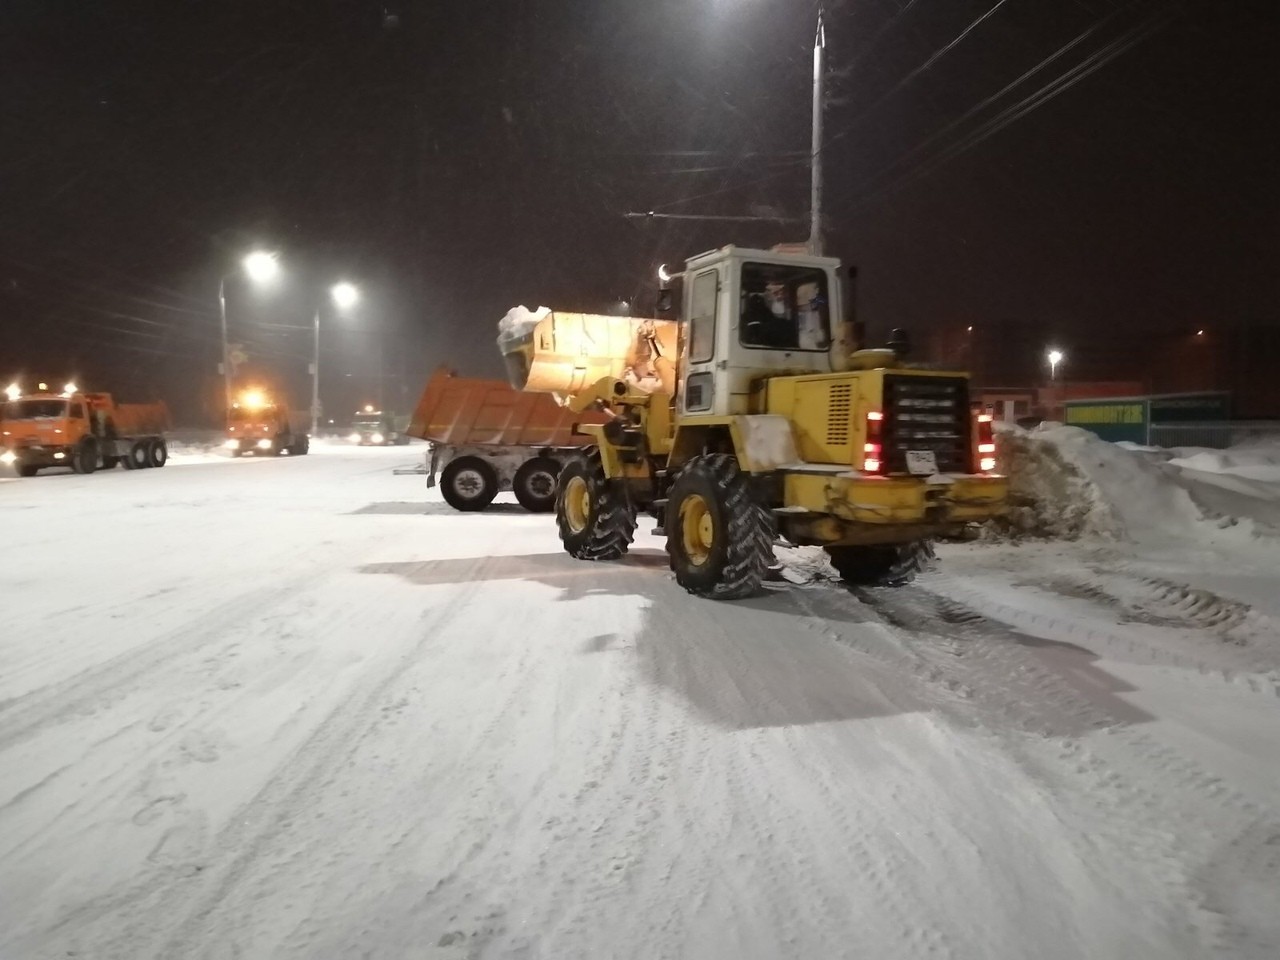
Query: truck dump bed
x=132, y=419
x=465, y=412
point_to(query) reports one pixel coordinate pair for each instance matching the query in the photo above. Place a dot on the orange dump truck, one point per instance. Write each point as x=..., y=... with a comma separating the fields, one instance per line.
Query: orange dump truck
x=486, y=437
x=263, y=425
x=83, y=431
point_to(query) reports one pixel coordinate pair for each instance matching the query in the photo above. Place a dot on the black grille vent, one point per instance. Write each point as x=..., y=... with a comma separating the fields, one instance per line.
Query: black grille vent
x=839, y=414
x=927, y=413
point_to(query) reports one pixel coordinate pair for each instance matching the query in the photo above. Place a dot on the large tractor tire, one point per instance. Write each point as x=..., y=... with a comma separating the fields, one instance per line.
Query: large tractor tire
x=884, y=566
x=469, y=484
x=157, y=453
x=85, y=457
x=27, y=470
x=535, y=484
x=719, y=540
x=594, y=515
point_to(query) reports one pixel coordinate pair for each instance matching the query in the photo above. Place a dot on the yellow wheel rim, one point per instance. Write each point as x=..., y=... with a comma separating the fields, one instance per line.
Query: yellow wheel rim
x=577, y=504
x=697, y=529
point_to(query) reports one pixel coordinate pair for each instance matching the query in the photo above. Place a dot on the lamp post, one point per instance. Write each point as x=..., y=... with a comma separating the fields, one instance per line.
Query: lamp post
x=260, y=267
x=344, y=296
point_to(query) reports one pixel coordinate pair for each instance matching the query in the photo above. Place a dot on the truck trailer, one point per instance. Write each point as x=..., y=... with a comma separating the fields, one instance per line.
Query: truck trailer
x=80, y=430
x=486, y=437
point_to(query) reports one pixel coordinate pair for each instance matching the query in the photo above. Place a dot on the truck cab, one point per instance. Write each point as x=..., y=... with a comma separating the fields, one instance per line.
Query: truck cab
x=258, y=424
x=376, y=428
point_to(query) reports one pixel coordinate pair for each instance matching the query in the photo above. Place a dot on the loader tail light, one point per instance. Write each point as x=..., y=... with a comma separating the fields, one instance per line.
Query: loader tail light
x=986, y=438
x=873, y=449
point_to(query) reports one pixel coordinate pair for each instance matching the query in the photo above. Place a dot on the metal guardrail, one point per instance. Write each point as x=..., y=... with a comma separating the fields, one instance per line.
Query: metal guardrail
x=1216, y=435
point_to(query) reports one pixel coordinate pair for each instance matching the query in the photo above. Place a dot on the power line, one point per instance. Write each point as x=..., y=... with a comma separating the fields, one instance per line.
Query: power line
x=1033, y=101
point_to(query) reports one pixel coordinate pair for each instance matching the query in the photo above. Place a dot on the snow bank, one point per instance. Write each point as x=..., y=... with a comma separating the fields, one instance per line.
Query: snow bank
x=1067, y=483
x=1050, y=496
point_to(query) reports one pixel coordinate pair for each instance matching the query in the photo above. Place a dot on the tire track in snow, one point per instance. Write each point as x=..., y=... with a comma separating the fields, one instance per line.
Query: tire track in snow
x=130, y=924
x=1244, y=669
x=1131, y=774
x=96, y=688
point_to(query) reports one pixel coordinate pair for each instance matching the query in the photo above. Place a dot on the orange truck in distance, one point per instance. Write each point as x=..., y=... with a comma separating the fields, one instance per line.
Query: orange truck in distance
x=83, y=431
x=259, y=424
x=487, y=437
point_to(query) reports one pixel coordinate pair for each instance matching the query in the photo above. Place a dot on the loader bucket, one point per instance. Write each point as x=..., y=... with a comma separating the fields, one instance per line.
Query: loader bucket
x=564, y=353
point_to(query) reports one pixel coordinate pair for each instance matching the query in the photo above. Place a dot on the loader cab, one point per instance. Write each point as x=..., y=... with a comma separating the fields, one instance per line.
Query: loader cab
x=751, y=314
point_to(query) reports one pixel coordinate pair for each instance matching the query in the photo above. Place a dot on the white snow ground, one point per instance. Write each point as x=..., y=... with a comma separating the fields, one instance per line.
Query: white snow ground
x=299, y=709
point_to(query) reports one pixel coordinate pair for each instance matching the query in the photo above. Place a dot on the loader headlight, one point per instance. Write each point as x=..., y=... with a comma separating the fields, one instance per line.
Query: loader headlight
x=264, y=444
x=377, y=438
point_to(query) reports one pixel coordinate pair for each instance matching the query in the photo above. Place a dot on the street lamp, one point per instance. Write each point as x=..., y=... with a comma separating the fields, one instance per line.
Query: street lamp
x=344, y=296
x=1055, y=357
x=260, y=266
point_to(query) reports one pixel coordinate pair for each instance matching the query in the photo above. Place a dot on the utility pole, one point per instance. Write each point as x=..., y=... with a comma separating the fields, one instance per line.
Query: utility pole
x=819, y=80
x=315, y=378
x=225, y=365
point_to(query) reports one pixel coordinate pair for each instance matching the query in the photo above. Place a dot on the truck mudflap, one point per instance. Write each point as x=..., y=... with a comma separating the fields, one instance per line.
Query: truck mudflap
x=433, y=462
x=948, y=500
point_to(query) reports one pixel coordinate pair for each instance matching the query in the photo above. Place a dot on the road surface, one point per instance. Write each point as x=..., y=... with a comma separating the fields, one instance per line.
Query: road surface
x=302, y=709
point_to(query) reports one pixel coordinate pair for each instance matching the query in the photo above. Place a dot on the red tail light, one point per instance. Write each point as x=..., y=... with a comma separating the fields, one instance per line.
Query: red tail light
x=872, y=450
x=986, y=438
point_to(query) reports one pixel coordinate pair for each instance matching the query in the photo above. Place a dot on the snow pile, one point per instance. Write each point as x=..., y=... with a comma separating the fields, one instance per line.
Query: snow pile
x=1067, y=483
x=520, y=321
x=1049, y=495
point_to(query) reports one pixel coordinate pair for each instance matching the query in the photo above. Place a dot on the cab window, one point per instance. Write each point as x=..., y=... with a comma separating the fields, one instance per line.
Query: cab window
x=702, y=317
x=35, y=409
x=784, y=308
x=77, y=411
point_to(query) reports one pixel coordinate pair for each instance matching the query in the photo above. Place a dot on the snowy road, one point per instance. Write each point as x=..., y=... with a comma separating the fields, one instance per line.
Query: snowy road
x=298, y=709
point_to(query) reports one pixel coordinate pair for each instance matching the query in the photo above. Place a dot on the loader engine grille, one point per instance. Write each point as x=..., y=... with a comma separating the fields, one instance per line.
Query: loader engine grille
x=927, y=413
x=839, y=409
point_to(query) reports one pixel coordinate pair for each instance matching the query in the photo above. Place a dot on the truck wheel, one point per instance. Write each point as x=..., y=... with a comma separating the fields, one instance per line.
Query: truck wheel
x=136, y=458
x=27, y=470
x=880, y=565
x=469, y=484
x=719, y=540
x=302, y=447
x=109, y=463
x=535, y=484
x=85, y=458
x=594, y=515
x=157, y=453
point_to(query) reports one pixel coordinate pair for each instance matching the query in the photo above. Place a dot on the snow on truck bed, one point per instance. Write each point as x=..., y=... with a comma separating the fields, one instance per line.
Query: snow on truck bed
x=299, y=708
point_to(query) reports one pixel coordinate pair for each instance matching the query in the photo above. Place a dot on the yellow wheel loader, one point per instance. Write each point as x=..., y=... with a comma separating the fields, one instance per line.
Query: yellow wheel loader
x=751, y=416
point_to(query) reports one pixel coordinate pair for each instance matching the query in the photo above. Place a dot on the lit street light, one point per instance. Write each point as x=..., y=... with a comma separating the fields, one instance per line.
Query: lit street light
x=345, y=296
x=260, y=267
x=1055, y=357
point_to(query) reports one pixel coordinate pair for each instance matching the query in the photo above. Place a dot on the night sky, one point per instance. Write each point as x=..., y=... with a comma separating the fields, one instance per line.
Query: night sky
x=456, y=158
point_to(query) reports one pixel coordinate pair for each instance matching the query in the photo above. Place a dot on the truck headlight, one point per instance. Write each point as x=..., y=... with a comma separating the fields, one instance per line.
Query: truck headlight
x=354, y=438
x=232, y=444
x=8, y=457
x=377, y=438
x=264, y=444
